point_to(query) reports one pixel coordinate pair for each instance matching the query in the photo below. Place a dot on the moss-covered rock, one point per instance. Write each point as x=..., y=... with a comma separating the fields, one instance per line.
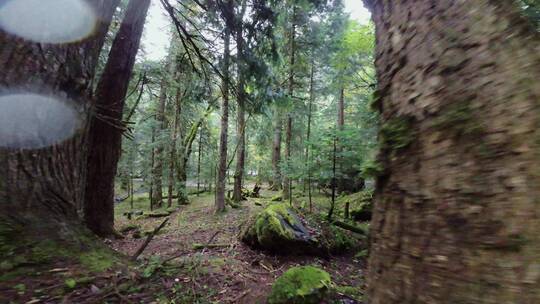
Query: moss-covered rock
x=361, y=204
x=300, y=285
x=340, y=240
x=280, y=230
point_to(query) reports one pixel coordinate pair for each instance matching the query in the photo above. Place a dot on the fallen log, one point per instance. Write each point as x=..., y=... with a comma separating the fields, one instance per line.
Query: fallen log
x=198, y=246
x=349, y=227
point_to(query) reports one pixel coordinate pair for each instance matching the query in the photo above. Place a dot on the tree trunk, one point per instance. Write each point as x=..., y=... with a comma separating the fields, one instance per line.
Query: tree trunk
x=157, y=170
x=333, y=199
x=184, y=155
x=276, y=151
x=106, y=125
x=341, y=109
x=199, y=147
x=131, y=190
x=340, y=128
x=222, y=170
x=288, y=130
x=308, y=135
x=455, y=218
x=152, y=160
x=241, y=119
x=172, y=152
x=181, y=175
x=42, y=172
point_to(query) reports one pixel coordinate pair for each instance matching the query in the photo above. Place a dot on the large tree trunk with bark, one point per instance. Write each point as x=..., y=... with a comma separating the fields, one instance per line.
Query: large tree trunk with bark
x=456, y=217
x=223, y=139
x=106, y=125
x=42, y=176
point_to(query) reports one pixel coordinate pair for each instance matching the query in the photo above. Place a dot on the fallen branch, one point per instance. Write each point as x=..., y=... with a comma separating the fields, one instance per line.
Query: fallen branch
x=198, y=246
x=349, y=227
x=149, y=239
x=213, y=237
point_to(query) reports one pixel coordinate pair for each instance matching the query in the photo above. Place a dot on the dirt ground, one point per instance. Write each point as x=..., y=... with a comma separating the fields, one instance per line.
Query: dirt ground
x=171, y=270
x=234, y=273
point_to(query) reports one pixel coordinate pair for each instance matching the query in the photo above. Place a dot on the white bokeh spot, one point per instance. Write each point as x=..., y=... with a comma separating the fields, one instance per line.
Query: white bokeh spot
x=48, y=21
x=32, y=121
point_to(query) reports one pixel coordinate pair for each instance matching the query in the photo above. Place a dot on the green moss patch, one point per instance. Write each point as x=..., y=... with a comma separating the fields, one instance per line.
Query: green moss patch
x=397, y=133
x=360, y=205
x=300, y=285
x=99, y=260
x=78, y=247
x=276, y=198
x=280, y=230
x=458, y=117
x=350, y=292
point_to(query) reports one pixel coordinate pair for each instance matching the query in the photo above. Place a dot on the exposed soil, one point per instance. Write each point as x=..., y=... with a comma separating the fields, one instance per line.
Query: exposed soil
x=233, y=273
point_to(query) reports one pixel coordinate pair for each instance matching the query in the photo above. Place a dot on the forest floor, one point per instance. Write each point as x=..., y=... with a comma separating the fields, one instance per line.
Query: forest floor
x=172, y=269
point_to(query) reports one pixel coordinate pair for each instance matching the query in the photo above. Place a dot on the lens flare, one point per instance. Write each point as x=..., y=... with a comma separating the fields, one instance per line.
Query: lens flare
x=48, y=21
x=32, y=121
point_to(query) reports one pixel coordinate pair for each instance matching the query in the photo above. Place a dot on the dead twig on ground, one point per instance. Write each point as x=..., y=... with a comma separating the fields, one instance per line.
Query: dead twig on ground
x=149, y=239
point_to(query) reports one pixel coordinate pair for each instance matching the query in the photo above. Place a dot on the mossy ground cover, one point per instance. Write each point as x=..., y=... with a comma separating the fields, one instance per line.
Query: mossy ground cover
x=170, y=269
x=301, y=285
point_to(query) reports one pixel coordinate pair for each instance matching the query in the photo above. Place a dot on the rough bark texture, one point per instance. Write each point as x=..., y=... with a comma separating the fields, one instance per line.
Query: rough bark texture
x=456, y=216
x=41, y=190
x=106, y=126
x=222, y=166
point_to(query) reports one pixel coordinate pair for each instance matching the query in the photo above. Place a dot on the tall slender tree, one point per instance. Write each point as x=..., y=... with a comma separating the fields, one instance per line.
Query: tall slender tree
x=106, y=125
x=228, y=13
x=308, y=132
x=276, y=149
x=289, y=120
x=173, y=162
x=241, y=102
x=157, y=169
x=340, y=127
